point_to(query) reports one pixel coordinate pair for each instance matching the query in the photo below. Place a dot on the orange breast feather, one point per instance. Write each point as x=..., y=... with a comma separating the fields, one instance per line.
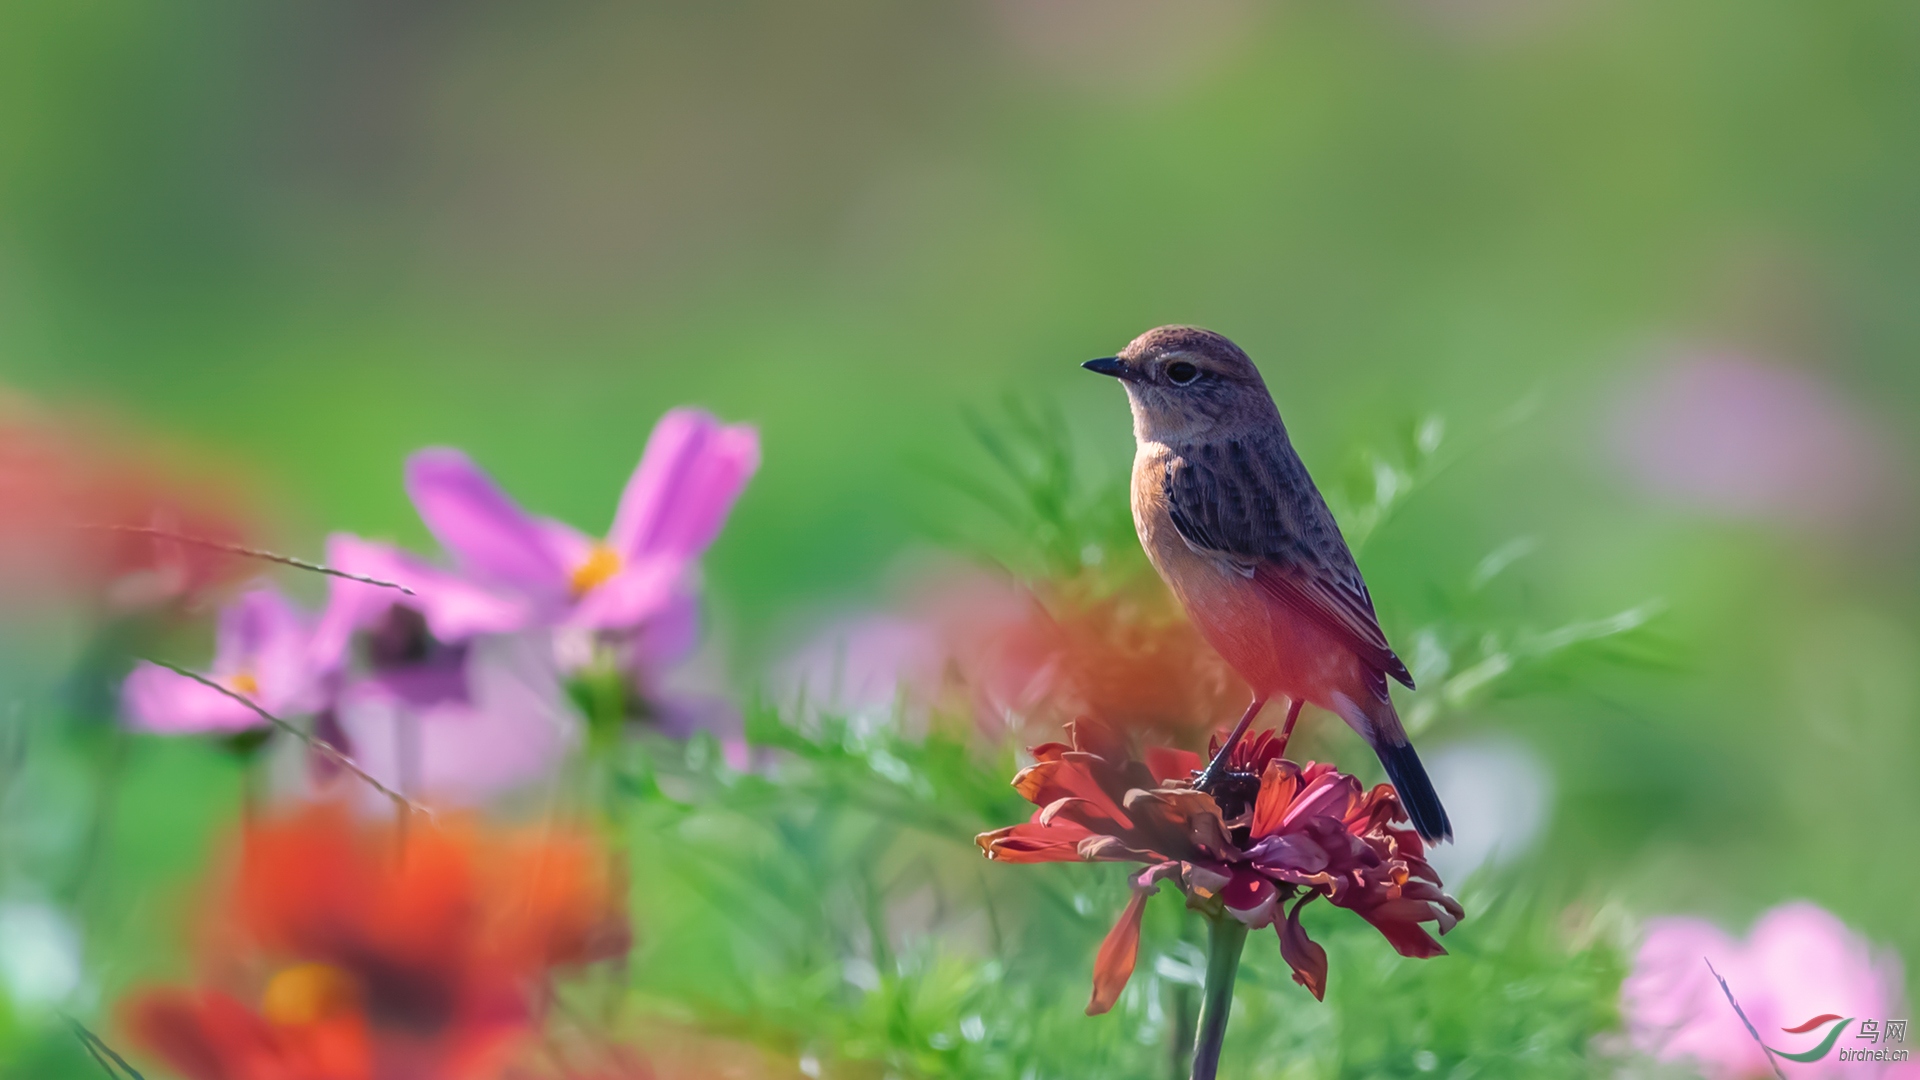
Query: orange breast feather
x=1277, y=651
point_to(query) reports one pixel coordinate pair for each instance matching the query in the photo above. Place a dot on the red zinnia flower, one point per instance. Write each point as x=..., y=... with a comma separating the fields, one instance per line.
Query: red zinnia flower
x=1271, y=830
x=371, y=956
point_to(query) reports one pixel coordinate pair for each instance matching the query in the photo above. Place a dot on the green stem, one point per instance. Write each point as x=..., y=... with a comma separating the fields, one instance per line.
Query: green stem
x=1226, y=936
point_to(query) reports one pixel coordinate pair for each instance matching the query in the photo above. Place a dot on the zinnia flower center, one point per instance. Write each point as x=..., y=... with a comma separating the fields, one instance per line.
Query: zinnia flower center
x=1235, y=792
x=602, y=563
x=244, y=682
x=308, y=994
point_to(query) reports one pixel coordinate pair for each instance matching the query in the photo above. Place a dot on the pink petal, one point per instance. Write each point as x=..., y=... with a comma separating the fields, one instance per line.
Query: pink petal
x=456, y=609
x=157, y=700
x=568, y=546
x=625, y=601
x=669, y=635
x=489, y=535
x=1329, y=794
x=263, y=635
x=258, y=621
x=685, y=485
x=1290, y=851
x=737, y=753
x=680, y=713
x=514, y=728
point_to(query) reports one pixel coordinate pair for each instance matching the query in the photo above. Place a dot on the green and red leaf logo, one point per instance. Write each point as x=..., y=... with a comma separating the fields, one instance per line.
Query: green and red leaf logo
x=1826, y=1044
x=1815, y=1054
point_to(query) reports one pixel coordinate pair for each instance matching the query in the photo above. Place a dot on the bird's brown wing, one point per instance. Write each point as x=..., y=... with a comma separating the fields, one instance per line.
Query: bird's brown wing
x=1251, y=504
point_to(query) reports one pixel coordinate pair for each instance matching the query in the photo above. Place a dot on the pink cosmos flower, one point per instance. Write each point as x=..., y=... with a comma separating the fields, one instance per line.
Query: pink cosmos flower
x=679, y=496
x=627, y=600
x=410, y=647
x=452, y=607
x=261, y=651
x=438, y=693
x=1725, y=434
x=1799, y=963
x=501, y=721
x=866, y=667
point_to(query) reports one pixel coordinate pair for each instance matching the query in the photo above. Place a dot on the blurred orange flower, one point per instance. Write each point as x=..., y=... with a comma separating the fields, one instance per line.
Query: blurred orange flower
x=371, y=955
x=1128, y=656
x=62, y=481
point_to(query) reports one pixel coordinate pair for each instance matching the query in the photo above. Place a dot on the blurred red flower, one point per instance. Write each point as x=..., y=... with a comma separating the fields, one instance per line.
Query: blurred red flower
x=1271, y=830
x=422, y=955
x=1127, y=656
x=67, y=489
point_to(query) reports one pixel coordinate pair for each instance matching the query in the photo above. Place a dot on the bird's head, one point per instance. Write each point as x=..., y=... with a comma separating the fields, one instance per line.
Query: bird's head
x=1186, y=383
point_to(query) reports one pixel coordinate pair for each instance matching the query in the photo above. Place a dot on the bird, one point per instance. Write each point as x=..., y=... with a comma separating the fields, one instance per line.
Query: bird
x=1233, y=523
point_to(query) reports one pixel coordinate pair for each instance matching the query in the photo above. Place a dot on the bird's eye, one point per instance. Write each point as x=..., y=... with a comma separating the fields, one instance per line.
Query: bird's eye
x=1180, y=373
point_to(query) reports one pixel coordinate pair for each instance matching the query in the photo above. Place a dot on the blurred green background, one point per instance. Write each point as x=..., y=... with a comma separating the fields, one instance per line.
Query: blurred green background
x=309, y=238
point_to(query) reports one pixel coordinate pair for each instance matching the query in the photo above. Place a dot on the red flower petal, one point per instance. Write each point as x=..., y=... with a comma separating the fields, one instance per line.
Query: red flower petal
x=1307, y=959
x=1051, y=781
x=1033, y=843
x=1048, y=751
x=1114, y=849
x=1114, y=965
x=1167, y=763
x=1278, y=785
x=1247, y=891
x=1406, y=936
x=1330, y=794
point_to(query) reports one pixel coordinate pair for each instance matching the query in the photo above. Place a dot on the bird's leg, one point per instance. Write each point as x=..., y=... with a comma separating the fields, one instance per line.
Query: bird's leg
x=1211, y=775
x=1286, y=730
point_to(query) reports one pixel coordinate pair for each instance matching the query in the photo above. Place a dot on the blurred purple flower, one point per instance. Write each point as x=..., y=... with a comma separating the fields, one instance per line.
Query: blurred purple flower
x=1798, y=963
x=1720, y=432
x=261, y=651
x=439, y=693
x=451, y=607
x=412, y=648
x=507, y=723
x=441, y=690
x=679, y=496
x=866, y=667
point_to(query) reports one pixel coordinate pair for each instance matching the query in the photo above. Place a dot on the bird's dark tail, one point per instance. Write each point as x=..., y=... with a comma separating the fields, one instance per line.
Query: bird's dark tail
x=1409, y=778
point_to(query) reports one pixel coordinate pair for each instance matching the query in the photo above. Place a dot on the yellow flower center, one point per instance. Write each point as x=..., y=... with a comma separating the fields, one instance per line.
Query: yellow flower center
x=308, y=994
x=602, y=563
x=244, y=683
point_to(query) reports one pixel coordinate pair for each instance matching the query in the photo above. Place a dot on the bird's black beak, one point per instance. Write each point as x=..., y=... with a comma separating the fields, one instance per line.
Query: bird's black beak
x=1110, y=365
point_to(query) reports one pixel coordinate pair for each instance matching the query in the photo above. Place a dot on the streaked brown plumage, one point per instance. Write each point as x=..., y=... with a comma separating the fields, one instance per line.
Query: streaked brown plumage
x=1234, y=524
